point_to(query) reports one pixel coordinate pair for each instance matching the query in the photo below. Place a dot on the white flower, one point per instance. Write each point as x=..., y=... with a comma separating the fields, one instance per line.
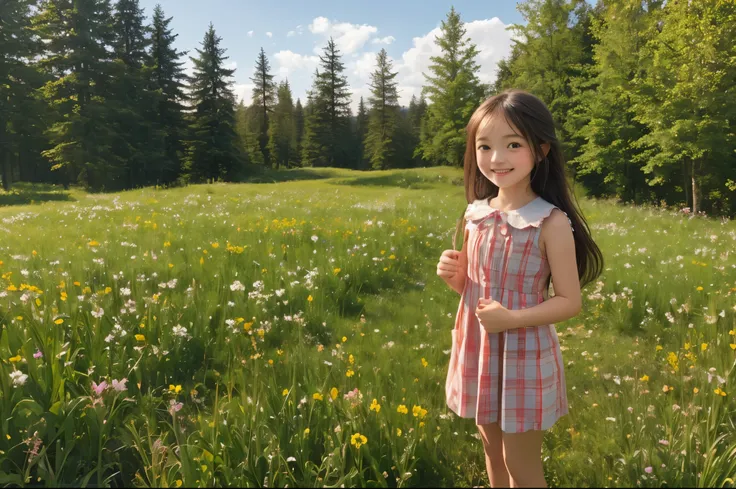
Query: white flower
x=19, y=378
x=237, y=286
x=98, y=313
x=291, y=459
x=124, y=291
x=314, y=238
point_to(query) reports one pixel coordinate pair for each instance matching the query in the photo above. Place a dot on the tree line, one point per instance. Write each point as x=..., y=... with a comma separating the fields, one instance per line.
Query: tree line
x=641, y=92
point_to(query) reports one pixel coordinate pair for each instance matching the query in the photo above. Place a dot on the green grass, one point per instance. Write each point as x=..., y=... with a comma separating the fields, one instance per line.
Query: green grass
x=275, y=319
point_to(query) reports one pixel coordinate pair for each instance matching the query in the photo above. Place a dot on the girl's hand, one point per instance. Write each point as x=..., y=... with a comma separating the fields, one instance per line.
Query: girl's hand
x=452, y=268
x=494, y=317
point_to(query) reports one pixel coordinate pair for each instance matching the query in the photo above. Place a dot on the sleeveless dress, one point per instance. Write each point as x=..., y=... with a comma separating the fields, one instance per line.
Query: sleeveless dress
x=515, y=378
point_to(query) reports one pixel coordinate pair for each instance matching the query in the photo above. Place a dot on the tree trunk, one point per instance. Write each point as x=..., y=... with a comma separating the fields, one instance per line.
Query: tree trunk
x=696, y=189
x=686, y=184
x=5, y=156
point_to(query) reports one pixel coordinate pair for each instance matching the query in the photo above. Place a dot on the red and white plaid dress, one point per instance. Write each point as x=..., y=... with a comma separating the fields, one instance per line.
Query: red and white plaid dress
x=515, y=378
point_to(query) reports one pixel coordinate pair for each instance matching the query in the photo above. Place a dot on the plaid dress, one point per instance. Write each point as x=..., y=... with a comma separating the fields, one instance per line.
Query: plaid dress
x=514, y=378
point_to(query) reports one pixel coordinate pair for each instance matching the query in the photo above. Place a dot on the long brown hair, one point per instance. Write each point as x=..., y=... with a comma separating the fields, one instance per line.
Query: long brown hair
x=529, y=115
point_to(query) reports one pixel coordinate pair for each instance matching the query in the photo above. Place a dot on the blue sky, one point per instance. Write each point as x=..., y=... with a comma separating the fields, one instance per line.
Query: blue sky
x=293, y=34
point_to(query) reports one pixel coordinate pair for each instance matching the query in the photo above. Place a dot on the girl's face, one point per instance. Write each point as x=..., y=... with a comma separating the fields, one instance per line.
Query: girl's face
x=503, y=156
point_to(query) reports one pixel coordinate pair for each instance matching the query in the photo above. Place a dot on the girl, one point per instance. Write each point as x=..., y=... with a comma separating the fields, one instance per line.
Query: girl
x=522, y=230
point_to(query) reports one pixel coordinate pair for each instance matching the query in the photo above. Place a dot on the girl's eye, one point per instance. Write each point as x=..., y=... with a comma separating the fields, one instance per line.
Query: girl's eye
x=515, y=144
x=483, y=147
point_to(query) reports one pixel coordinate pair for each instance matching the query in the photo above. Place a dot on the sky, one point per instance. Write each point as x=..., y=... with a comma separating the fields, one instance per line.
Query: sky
x=294, y=33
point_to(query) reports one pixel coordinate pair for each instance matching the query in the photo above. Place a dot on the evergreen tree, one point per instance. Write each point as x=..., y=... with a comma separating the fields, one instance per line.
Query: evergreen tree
x=137, y=140
x=299, y=128
x=282, y=130
x=382, y=124
x=212, y=151
x=77, y=34
x=327, y=127
x=167, y=81
x=454, y=93
x=264, y=94
x=22, y=114
x=361, y=129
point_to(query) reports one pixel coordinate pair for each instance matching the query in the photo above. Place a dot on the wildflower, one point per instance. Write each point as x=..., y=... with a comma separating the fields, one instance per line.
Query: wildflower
x=333, y=393
x=99, y=389
x=317, y=396
x=174, y=407
x=419, y=412
x=175, y=389
x=349, y=373
x=306, y=432
x=719, y=392
x=664, y=442
x=659, y=347
x=140, y=337
x=284, y=392
x=648, y=470
x=18, y=377
x=344, y=339
x=351, y=359
x=119, y=386
x=695, y=390
x=398, y=431
x=358, y=440
x=644, y=378
x=38, y=354
x=375, y=406
x=703, y=346
x=15, y=359
x=699, y=288
x=402, y=409
x=309, y=299
x=424, y=362
x=667, y=388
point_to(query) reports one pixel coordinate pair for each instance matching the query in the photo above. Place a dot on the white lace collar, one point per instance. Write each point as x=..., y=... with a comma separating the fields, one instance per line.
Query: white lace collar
x=532, y=214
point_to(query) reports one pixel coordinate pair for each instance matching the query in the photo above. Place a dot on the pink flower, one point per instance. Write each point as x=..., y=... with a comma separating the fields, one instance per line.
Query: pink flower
x=175, y=407
x=99, y=389
x=664, y=442
x=648, y=470
x=38, y=354
x=119, y=386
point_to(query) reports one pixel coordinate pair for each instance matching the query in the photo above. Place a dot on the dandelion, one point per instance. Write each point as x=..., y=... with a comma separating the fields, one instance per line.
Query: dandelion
x=344, y=339
x=398, y=431
x=284, y=392
x=349, y=373
x=719, y=392
x=695, y=390
x=424, y=363
x=703, y=346
x=358, y=440
x=699, y=288
x=309, y=299
x=402, y=409
x=317, y=396
x=140, y=337
x=644, y=378
x=333, y=393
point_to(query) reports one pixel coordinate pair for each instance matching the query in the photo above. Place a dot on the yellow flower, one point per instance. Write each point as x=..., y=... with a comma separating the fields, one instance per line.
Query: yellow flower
x=402, y=409
x=351, y=359
x=375, y=406
x=349, y=373
x=215, y=245
x=270, y=361
x=419, y=412
x=178, y=483
x=703, y=346
x=659, y=347
x=167, y=244
x=667, y=388
x=398, y=431
x=699, y=288
x=687, y=345
x=140, y=337
x=644, y=378
x=309, y=299
x=246, y=326
x=333, y=393
x=720, y=392
x=421, y=424
x=320, y=347
x=59, y=321
x=732, y=332
x=317, y=396
x=15, y=359
x=284, y=392
x=336, y=271
x=732, y=345
x=358, y=440
x=695, y=390
x=175, y=389
x=424, y=362
x=306, y=432
x=344, y=339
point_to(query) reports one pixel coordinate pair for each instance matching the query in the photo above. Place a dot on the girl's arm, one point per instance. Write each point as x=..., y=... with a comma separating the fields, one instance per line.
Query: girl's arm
x=559, y=246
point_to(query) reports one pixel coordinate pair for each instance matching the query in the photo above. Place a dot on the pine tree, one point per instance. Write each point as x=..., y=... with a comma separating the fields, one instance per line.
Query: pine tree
x=77, y=34
x=18, y=79
x=282, y=130
x=361, y=129
x=264, y=95
x=136, y=139
x=213, y=151
x=299, y=128
x=327, y=127
x=454, y=93
x=382, y=123
x=167, y=81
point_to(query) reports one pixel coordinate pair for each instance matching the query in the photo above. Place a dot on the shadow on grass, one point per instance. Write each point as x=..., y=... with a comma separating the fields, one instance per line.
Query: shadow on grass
x=398, y=179
x=295, y=174
x=24, y=193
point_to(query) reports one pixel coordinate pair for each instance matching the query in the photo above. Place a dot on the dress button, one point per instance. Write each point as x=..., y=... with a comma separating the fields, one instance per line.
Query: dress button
x=504, y=229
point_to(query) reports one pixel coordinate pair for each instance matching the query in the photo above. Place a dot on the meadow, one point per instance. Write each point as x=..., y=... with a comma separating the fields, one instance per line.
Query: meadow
x=295, y=333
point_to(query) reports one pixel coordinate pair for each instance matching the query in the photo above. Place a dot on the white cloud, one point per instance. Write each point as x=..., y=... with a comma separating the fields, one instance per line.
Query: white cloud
x=290, y=34
x=250, y=33
x=348, y=37
x=384, y=40
x=243, y=91
x=269, y=34
x=290, y=62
